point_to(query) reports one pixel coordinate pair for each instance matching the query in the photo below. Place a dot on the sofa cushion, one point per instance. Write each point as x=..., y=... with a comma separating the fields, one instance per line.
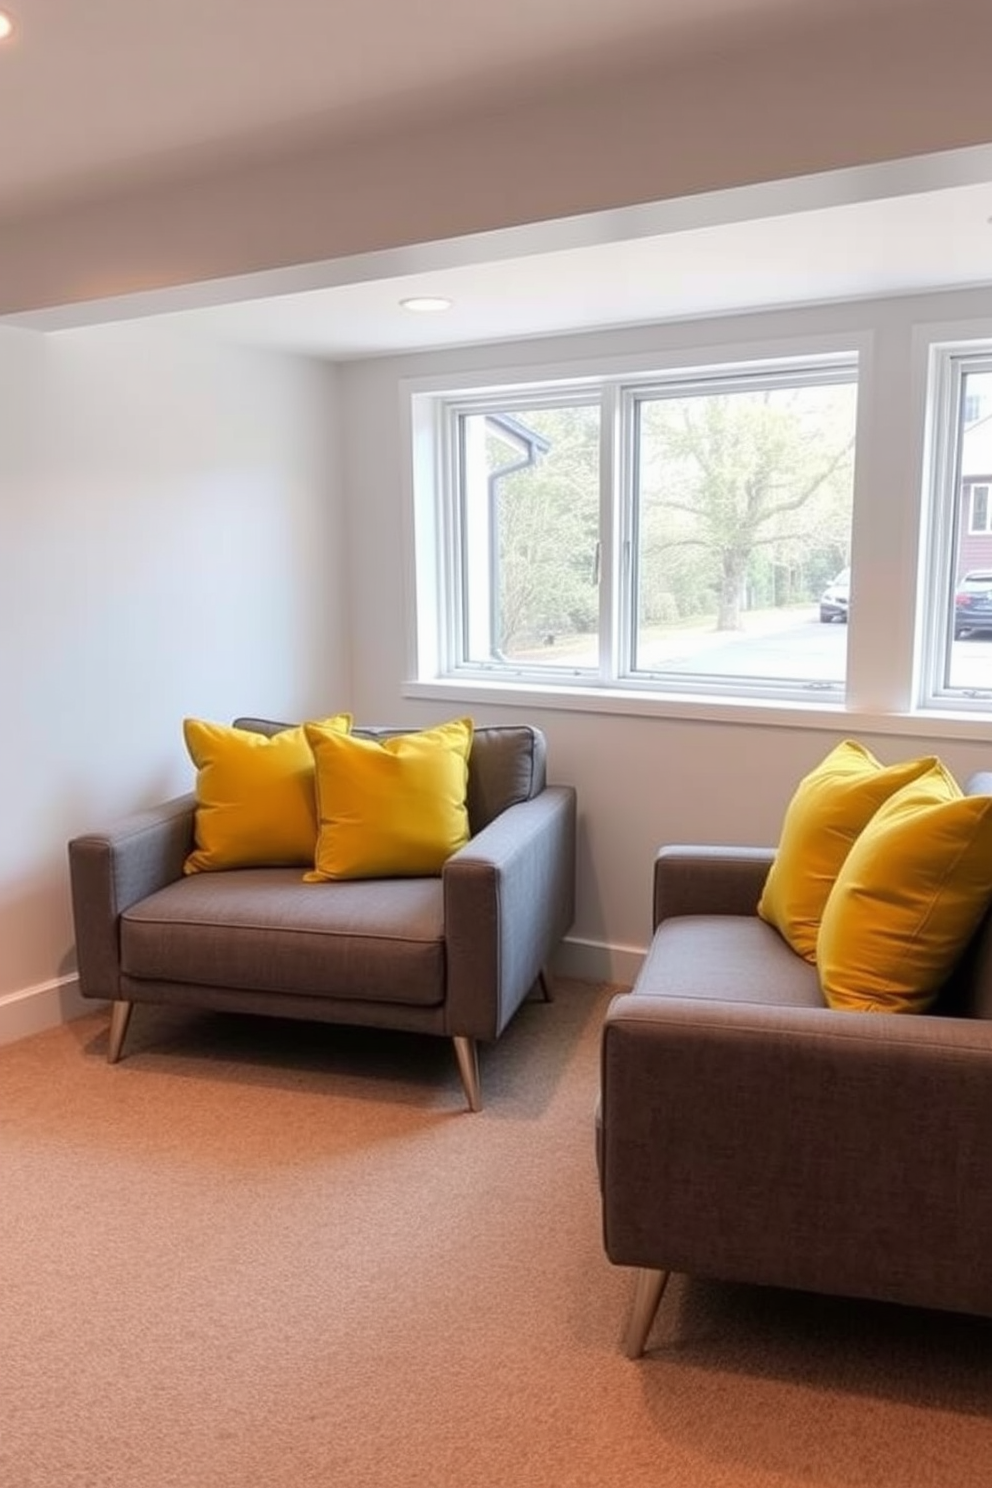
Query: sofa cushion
x=389, y=808
x=726, y=958
x=506, y=765
x=255, y=797
x=829, y=808
x=265, y=930
x=908, y=899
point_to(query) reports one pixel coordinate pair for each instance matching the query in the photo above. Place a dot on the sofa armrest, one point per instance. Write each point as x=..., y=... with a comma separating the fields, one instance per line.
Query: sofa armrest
x=804, y=1147
x=509, y=897
x=691, y=880
x=110, y=870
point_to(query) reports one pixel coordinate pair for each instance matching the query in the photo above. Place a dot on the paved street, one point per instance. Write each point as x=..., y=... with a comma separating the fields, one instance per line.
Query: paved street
x=782, y=644
x=779, y=644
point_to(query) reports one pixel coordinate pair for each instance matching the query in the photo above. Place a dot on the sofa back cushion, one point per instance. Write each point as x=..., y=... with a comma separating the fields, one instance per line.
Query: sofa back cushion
x=967, y=993
x=507, y=763
x=968, y=990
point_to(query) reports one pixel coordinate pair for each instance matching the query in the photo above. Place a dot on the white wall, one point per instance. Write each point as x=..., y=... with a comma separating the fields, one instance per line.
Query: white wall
x=171, y=543
x=645, y=780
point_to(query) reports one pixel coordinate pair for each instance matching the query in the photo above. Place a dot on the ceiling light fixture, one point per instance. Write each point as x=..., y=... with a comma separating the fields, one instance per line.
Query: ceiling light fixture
x=426, y=304
x=6, y=26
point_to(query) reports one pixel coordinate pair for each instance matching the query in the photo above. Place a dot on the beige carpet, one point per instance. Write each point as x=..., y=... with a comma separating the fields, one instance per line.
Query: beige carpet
x=267, y=1254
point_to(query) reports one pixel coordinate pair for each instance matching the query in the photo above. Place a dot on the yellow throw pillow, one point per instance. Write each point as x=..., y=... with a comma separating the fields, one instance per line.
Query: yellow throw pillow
x=908, y=899
x=256, y=804
x=830, y=807
x=390, y=809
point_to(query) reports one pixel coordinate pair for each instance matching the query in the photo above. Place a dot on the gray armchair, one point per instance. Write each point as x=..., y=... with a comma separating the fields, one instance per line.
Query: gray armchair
x=454, y=955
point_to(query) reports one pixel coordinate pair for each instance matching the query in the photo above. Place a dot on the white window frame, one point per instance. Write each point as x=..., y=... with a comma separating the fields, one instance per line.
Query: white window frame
x=897, y=623
x=454, y=607
x=822, y=371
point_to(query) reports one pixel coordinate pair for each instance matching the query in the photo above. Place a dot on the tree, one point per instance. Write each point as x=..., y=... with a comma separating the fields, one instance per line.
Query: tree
x=548, y=524
x=733, y=473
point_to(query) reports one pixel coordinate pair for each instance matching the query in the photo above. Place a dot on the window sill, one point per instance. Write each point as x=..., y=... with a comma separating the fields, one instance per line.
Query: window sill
x=767, y=713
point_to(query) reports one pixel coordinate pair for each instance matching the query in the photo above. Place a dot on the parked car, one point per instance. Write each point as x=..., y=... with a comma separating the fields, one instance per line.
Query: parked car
x=973, y=603
x=834, y=599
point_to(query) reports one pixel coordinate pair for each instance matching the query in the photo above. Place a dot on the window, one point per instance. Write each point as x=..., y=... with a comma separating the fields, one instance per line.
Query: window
x=676, y=533
x=528, y=505
x=957, y=589
x=978, y=504
x=741, y=517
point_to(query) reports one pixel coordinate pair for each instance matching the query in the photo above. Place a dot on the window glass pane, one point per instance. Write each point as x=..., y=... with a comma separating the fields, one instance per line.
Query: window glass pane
x=743, y=499
x=969, y=664
x=530, y=522
x=975, y=406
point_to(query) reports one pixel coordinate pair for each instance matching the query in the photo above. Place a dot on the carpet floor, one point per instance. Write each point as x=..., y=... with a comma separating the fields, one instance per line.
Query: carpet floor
x=257, y=1253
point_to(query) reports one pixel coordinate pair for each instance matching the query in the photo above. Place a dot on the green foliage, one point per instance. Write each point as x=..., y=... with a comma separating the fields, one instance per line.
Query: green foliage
x=548, y=526
x=744, y=500
x=755, y=485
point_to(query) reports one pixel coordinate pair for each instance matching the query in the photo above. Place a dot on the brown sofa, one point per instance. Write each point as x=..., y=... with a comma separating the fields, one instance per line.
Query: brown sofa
x=454, y=955
x=748, y=1133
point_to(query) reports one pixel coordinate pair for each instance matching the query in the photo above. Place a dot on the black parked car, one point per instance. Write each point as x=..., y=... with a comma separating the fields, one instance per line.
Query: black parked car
x=973, y=603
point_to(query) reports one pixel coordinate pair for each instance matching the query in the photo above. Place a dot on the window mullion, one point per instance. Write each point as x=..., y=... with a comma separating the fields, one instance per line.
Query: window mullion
x=625, y=516
x=610, y=536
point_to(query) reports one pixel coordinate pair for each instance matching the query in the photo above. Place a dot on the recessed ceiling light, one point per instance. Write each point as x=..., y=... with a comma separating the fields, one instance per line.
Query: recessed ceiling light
x=424, y=304
x=6, y=26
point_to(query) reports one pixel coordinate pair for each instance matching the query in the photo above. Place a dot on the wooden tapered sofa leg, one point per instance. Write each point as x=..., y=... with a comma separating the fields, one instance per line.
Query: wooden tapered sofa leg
x=120, y=1017
x=467, y=1055
x=647, y=1295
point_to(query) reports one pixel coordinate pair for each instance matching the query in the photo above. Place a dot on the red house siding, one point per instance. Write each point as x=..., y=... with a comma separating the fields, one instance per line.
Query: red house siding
x=974, y=548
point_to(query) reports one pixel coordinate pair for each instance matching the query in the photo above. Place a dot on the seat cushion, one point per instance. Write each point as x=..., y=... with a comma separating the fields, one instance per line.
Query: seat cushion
x=265, y=930
x=727, y=958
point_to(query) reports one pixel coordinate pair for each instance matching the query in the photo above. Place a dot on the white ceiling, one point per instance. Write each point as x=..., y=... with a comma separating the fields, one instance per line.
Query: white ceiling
x=165, y=85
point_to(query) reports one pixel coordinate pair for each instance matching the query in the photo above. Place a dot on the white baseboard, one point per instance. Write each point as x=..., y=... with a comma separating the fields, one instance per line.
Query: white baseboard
x=33, y=1009
x=594, y=961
